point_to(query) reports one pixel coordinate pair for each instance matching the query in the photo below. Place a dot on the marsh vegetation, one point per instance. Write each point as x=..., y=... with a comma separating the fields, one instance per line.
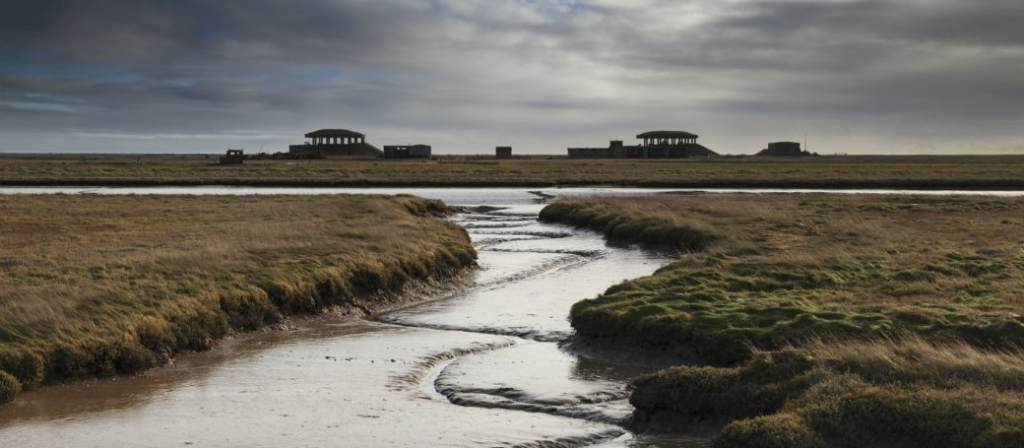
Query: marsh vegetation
x=93, y=286
x=953, y=172
x=817, y=312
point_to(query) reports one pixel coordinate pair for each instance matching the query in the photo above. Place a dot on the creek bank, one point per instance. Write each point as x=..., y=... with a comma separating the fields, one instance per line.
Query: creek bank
x=126, y=321
x=631, y=352
x=768, y=276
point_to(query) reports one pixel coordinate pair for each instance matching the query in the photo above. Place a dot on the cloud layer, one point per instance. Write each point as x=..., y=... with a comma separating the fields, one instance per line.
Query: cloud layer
x=857, y=76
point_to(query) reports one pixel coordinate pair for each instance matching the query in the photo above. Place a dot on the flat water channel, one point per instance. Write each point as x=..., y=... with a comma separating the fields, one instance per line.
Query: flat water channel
x=482, y=367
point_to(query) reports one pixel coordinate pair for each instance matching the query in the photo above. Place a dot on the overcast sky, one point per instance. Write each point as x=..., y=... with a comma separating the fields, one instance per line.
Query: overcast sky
x=857, y=76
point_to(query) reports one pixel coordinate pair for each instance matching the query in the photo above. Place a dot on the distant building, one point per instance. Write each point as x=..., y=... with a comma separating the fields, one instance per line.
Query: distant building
x=656, y=145
x=336, y=143
x=503, y=152
x=407, y=152
x=783, y=149
x=233, y=157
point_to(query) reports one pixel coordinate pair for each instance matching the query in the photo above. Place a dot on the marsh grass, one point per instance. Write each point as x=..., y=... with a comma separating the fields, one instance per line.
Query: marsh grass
x=768, y=271
x=93, y=286
x=833, y=321
x=953, y=172
x=907, y=392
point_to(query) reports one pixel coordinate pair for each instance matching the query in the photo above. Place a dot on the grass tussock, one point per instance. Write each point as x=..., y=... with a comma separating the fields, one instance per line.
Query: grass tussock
x=864, y=393
x=9, y=387
x=98, y=286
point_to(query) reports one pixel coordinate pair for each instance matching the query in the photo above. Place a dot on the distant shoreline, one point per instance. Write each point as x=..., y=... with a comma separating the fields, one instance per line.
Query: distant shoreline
x=979, y=185
x=531, y=156
x=983, y=172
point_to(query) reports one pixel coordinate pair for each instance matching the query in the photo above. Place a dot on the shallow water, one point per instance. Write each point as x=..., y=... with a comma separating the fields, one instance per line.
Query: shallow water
x=329, y=384
x=482, y=368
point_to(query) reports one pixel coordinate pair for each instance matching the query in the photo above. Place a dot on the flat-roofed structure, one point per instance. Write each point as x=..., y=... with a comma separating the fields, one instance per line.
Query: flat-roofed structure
x=667, y=138
x=656, y=145
x=336, y=137
x=783, y=149
x=503, y=152
x=233, y=157
x=418, y=151
x=336, y=143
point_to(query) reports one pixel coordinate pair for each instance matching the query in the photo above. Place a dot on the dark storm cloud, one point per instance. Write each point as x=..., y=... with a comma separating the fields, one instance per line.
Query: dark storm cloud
x=188, y=30
x=468, y=72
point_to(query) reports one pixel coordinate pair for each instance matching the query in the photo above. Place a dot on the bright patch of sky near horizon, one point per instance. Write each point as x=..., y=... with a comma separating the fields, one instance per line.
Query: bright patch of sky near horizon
x=857, y=76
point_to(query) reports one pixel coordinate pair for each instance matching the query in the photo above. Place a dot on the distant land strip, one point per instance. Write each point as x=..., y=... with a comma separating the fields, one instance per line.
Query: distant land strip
x=910, y=184
x=857, y=172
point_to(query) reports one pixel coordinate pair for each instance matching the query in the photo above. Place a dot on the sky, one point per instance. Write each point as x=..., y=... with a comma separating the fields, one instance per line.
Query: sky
x=200, y=76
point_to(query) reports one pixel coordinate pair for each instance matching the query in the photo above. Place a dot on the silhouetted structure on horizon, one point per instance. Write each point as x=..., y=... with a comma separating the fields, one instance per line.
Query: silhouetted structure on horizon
x=503, y=152
x=336, y=143
x=233, y=157
x=656, y=145
x=418, y=151
x=783, y=149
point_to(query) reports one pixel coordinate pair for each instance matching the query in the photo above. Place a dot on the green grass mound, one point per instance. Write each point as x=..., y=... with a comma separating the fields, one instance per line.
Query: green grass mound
x=723, y=308
x=650, y=229
x=770, y=431
x=785, y=271
x=781, y=270
x=909, y=393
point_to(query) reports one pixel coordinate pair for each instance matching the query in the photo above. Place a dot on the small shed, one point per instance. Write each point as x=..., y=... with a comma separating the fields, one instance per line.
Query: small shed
x=233, y=157
x=503, y=152
x=418, y=151
x=783, y=149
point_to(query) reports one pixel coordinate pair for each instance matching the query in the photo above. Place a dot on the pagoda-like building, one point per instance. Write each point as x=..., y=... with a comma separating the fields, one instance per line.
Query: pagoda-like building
x=656, y=145
x=336, y=143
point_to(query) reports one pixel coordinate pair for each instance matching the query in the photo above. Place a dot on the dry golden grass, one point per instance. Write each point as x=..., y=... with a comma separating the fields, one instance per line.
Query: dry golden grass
x=914, y=360
x=96, y=285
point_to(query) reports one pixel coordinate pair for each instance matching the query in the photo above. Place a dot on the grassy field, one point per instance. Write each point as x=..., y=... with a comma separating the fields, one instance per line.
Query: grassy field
x=92, y=286
x=816, y=310
x=953, y=172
